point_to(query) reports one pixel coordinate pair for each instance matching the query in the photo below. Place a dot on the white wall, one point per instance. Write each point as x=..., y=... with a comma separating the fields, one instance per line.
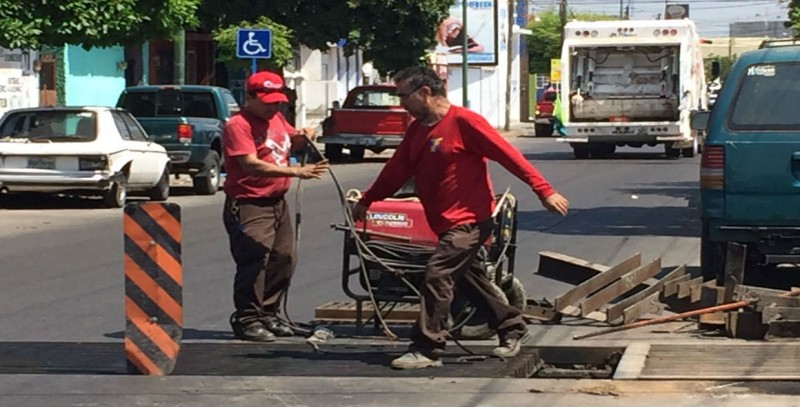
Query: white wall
x=19, y=85
x=487, y=85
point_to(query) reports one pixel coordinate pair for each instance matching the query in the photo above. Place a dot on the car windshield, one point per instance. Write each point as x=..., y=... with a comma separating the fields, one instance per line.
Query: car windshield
x=170, y=103
x=767, y=98
x=49, y=125
x=549, y=96
x=376, y=98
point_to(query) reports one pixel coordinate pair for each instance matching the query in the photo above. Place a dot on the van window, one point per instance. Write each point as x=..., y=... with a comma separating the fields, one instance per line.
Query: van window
x=767, y=98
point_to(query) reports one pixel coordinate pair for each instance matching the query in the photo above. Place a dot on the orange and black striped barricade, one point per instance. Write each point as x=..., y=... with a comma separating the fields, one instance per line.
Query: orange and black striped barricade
x=153, y=287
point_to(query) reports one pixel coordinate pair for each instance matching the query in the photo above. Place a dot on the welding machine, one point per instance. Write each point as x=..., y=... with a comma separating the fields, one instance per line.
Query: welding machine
x=388, y=255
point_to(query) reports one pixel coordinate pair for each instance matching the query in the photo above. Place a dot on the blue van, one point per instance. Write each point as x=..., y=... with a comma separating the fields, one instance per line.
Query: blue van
x=750, y=169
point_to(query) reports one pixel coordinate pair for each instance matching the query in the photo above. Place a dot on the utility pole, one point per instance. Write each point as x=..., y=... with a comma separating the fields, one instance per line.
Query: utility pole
x=666, y=3
x=562, y=13
x=464, y=63
x=620, y=9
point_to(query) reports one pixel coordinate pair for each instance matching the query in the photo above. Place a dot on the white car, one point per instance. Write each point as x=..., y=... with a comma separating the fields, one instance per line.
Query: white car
x=82, y=150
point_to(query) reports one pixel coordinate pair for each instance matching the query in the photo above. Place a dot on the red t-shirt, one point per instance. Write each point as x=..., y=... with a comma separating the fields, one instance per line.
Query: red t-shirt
x=269, y=141
x=448, y=162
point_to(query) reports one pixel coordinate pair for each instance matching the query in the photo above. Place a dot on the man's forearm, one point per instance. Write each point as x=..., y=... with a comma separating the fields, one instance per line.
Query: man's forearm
x=265, y=169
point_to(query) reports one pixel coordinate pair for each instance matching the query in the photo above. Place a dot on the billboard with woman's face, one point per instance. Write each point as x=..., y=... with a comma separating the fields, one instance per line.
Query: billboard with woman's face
x=481, y=33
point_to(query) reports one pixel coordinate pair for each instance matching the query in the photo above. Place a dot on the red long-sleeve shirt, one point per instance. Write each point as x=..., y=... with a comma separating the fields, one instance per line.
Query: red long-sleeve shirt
x=449, y=166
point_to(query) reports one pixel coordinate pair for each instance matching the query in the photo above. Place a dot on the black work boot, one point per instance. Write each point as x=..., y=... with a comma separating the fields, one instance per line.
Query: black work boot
x=250, y=329
x=276, y=326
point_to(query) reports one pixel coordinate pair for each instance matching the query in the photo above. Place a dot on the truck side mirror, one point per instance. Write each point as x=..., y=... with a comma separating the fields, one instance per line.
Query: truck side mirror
x=336, y=104
x=699, y=120
x=715, y=69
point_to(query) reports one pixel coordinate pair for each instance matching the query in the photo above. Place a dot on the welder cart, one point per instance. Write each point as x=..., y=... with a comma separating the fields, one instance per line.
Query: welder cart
x=396, y=243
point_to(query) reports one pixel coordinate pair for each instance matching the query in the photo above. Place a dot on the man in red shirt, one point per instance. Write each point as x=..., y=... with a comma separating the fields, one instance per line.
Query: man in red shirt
x=446, y=150
x=257, y=143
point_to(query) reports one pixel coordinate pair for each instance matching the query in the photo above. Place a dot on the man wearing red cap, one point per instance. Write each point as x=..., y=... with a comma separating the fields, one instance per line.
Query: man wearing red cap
x=257, y=144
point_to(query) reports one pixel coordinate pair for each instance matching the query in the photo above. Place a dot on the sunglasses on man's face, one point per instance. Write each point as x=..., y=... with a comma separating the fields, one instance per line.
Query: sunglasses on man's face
x=405, y=95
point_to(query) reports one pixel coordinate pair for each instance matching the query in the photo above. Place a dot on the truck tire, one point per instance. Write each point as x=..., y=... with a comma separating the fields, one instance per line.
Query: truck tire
x=603, y=150
x=671, y=152
x=333, y=152
x=712, y=256
x=160, y=192
x=357, y=153
x=692, y=151
x=581, y=152
x=543, y=130
x=208, y=182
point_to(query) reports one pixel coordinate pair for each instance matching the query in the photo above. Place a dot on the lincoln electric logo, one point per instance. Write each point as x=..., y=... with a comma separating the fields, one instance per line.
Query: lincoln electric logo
x=389, y=220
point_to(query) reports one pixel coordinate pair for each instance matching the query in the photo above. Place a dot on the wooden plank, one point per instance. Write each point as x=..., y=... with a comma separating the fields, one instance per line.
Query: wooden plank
x=346, y=311
x=783, y=330
x=734, y=268
x=632, y=362
x=568, y=269
x=684, y=288
x=615, y=311
x=598, y=282
x=771, y=313
x=621, y=286
x=671, y=287
x=649, y=305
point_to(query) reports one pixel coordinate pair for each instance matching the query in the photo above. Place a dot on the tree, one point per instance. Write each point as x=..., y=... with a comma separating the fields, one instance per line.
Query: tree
x=545, y=42
x=794, y=14
x=392, y=33
x=33, y=23
x=725, y=63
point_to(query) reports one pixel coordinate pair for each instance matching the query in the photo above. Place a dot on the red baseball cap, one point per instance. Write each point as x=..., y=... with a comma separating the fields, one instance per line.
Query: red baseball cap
x=268, y=86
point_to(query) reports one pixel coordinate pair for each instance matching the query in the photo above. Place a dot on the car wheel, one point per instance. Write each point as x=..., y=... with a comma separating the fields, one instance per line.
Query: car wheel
x=116, y=196
x=160, y=192
x=357, y=153
x=333, y=152
x=208, y=182
x=712, y=256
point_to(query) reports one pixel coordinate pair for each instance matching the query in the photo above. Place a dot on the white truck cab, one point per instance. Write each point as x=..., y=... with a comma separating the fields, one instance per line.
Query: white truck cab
x=632, y=82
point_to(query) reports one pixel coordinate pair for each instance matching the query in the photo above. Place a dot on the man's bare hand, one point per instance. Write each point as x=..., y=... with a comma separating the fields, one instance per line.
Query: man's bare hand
x=556, y=203
x=305, y=132
x=315, y=170
x=359, y=212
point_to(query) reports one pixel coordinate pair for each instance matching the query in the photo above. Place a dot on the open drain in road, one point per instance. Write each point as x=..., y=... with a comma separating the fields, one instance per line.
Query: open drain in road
x=250, y=359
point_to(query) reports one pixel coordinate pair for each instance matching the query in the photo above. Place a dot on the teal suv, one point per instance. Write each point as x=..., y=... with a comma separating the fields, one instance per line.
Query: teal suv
x=750, y=169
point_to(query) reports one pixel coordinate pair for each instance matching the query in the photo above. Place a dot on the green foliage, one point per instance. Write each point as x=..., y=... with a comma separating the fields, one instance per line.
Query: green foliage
x=281, y=44
x=393, y=33
x=34, y=23
x=794, y=14
x=545, y=42
x=725, y=64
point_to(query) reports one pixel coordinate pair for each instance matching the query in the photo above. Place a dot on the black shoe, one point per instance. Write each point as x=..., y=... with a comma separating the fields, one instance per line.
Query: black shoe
x=252, y=331
x=277, y=327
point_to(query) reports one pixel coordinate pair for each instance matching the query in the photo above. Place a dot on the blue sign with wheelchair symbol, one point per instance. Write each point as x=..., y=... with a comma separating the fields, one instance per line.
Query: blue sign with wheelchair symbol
x=253, y=43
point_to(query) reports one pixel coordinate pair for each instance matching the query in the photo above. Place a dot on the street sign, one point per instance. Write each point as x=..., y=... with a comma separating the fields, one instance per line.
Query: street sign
x=555, y=70
x=253, y=43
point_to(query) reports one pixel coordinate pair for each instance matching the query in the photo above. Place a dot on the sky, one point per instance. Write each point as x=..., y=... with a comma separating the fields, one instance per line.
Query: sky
x=711, y=16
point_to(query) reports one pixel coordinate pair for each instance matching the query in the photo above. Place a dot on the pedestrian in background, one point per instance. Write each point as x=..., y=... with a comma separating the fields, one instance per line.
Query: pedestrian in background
x=446, y=150
x=257, y=144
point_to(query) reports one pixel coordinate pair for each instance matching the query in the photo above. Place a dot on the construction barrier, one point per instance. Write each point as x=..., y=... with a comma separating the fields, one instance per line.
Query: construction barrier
x=153, y=287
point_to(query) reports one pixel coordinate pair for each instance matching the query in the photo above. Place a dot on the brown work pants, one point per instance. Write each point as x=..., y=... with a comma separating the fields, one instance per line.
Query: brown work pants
x=455, y=265
x=262, y=245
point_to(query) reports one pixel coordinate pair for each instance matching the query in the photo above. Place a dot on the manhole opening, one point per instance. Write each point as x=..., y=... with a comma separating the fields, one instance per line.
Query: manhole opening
x=576, y=363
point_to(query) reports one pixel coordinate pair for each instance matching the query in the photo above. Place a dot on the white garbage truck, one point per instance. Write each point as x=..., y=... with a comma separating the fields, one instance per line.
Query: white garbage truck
x=631, y=83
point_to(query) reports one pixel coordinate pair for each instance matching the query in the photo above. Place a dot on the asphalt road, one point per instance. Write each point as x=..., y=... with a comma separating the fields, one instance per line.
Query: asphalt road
x=61, y=276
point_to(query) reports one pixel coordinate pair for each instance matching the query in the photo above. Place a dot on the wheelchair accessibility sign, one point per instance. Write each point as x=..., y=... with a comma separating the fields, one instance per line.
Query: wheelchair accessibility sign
x=253, y=43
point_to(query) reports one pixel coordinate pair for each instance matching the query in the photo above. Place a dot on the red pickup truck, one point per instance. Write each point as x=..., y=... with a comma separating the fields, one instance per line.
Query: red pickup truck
x=543, y=122
x=371, y=118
